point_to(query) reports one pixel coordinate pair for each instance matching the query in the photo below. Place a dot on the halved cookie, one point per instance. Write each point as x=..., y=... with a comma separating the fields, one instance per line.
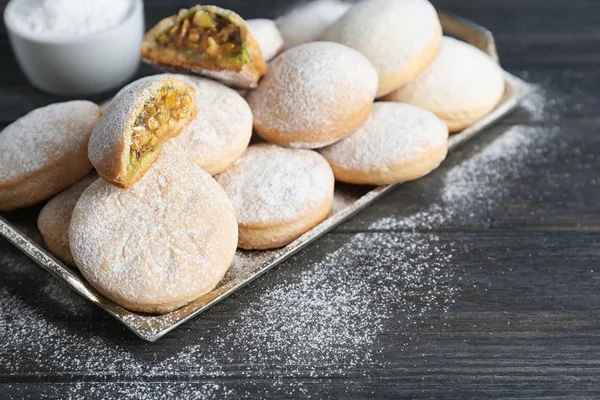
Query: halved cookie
x=209, y=41
x=134, y=127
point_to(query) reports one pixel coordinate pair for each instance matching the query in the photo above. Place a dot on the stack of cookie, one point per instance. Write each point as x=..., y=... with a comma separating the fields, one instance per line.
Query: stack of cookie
x=368, y=97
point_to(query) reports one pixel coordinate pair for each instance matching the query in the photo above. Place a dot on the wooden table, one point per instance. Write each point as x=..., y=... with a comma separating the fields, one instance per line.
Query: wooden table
x=495, y=258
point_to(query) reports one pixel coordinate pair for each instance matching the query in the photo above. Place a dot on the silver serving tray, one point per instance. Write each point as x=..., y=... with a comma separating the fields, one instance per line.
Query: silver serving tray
x=20, y=227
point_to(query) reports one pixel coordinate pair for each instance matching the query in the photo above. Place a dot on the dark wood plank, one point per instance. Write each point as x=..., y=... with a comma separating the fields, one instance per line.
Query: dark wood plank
x=532, y=322
x=494, y=295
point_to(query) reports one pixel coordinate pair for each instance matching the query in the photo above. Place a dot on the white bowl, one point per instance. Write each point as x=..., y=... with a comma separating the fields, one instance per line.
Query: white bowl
x=79, y=65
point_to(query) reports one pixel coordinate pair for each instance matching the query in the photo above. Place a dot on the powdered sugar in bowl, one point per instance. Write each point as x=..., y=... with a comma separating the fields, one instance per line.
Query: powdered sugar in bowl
x=76, y=47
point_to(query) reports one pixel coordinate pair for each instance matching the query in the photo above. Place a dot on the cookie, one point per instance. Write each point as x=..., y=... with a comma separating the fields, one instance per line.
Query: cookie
x=313, y=95
x=220, y=131
x=398, y=143
x=54, y=219
x=136, y=124
x=400, y=37
x=308, y=22
x=159, y=245
x=278, y=194
x=208, y=41
x=267, y=36
x=44, y=152
x=461, y=86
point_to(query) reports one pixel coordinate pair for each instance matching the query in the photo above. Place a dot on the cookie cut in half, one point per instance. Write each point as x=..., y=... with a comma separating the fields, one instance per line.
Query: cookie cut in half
x=136, y=124
x=398, y=143
x=461, y=86
x=209, y=41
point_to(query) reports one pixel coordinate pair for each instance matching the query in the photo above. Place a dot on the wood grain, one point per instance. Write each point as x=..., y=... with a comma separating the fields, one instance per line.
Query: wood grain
x=522, y=318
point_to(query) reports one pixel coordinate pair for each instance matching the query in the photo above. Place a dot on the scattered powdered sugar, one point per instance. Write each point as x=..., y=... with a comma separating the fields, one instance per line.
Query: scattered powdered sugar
x=408, y=27
x=306, y=93
x=476, y=180
x=273, y=185
x=542, y=104
x=462, y=84
x=332, y=312
x=267, y=36
x=141, y=247
x=68, y=17
x=244, y=263
x=306, y=23
x=44, y=137
x=393, y=135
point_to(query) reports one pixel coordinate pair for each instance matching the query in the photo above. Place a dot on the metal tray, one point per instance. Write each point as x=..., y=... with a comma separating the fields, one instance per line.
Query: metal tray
x=20, y=227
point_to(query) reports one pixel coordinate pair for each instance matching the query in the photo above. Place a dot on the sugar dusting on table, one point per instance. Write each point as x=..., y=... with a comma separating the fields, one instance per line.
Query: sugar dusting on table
x=324, y=319
x=468, y=184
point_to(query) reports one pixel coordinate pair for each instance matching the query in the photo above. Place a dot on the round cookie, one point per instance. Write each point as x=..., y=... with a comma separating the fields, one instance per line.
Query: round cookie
x=400, y=37
x=461, y=86
x=55, y=218
x=278, y=194
x=220, y=131
x=44, y=152
x=313, y=95
x=308, y=22
x=158, y=246
x=267, y=36
x=398, y=143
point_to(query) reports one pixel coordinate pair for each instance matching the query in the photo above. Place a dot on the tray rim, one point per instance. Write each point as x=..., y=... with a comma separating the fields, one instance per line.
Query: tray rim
x=520, y=89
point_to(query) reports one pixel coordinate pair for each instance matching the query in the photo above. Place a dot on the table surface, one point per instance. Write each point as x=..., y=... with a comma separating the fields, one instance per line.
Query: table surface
x=480, y=280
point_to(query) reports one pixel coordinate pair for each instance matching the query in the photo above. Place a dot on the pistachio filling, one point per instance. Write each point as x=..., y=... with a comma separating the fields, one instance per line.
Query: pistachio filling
x=209, y=37
x=156, y=122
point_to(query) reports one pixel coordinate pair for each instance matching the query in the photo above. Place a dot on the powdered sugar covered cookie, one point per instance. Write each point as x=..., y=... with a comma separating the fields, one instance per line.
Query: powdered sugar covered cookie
x=220, y=131
x=159, y=245
x=278, y=194
x=398, y=143
x=44, y=152
x=313, y=95
x=400, y=37
x=461, y=86
x=308, y=22
x=267, y=36
x=55, y=218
